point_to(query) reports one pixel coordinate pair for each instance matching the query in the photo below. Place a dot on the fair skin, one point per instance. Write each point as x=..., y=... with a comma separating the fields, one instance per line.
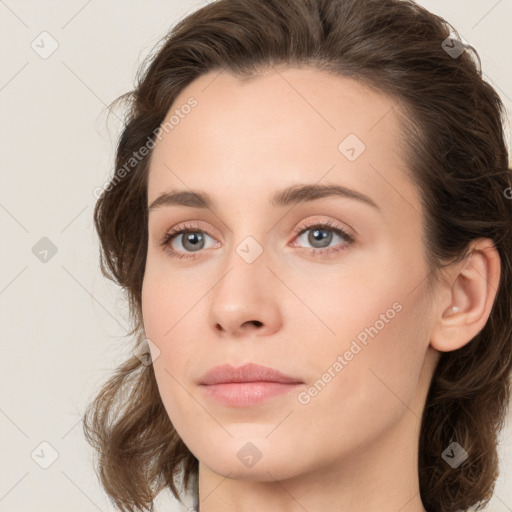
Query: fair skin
x=353, y=447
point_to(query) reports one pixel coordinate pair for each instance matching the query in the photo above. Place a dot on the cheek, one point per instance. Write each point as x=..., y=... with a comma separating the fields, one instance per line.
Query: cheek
x=376, y=335
x=154, y=307
x=168, y=305
x=164, y=296
x=361, y=389
x=162, y=309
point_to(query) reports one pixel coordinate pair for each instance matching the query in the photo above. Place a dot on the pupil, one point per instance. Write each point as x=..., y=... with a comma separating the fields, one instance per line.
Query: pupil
x=194, y=239
x=319, y=237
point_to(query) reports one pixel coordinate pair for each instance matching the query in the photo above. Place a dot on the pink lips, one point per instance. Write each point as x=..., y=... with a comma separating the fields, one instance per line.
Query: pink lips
x=247, y=385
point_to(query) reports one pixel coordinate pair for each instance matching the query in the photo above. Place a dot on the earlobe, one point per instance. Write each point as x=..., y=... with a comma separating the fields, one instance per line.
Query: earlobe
x=474, y=285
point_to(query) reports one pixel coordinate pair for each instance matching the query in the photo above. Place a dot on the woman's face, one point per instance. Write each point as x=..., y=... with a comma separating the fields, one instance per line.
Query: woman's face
x=257, y=281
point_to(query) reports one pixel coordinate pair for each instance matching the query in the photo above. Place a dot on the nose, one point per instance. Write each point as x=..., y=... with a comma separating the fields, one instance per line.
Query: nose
x=246, y=299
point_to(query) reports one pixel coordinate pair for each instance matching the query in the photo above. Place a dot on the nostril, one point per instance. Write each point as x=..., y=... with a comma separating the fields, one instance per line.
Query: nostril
x=256, y=323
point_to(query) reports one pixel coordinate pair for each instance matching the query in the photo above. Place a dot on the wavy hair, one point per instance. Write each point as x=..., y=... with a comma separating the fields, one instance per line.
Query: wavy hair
x=454, y=145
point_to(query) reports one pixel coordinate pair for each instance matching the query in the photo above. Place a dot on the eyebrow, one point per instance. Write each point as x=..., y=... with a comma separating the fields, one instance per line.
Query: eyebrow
x=292, y=195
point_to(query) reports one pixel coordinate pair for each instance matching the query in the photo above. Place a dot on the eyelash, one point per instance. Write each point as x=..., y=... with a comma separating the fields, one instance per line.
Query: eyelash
x=303, y=228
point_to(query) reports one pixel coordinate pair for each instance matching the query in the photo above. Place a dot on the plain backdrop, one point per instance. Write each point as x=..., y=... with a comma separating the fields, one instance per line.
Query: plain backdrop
x=62, y=322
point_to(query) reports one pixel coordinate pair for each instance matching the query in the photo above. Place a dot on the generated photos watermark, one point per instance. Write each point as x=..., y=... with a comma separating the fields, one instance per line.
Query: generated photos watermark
x=304, y=397
x=137, y=156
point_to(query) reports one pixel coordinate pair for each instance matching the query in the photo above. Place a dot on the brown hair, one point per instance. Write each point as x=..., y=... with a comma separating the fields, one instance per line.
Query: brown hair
x=457, y=156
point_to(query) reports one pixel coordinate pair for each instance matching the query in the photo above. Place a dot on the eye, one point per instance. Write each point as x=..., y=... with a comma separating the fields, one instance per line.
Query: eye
x=193, y=239
x=321, y=235
x=190, y=236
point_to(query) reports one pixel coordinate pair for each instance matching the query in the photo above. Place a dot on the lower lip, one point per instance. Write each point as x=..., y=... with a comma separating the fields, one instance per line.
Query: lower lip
x=245, y=394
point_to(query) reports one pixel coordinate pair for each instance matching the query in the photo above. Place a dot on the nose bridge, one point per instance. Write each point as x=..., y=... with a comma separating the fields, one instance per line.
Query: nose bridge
x=246, y=268
x=244, y=294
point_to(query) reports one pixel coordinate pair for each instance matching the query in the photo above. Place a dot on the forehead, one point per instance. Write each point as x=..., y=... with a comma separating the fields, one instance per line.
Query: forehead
x=249, y=138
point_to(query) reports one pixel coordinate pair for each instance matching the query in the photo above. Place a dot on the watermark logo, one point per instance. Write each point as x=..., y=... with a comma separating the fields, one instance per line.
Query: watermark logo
x=249, y=249
x=44, y=250
x=453, y=47
x=454, y=455
x=44, y=455
x=147, y=352
x=44, y=45
x=351, y=147
x=249, y=454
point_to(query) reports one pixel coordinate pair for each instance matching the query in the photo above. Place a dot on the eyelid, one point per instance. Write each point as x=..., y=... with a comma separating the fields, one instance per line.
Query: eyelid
x=192, y=225
x=304, y=226
x=329, y=225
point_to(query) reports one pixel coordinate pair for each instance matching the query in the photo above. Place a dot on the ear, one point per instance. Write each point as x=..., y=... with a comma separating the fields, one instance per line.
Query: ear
x=470, y=290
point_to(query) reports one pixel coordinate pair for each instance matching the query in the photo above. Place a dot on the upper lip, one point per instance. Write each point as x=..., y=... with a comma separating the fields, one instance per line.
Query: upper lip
x=251, y=372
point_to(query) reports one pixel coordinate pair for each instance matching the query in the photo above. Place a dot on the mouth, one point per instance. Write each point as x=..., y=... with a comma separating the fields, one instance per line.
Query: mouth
x=247, y=385
x=246, y=394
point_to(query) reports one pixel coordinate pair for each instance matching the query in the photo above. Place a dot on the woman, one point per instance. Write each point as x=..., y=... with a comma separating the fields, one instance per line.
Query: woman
x=312, y=219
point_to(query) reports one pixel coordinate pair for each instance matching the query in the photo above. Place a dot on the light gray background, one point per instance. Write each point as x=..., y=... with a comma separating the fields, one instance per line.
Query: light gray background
x=62, y=322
